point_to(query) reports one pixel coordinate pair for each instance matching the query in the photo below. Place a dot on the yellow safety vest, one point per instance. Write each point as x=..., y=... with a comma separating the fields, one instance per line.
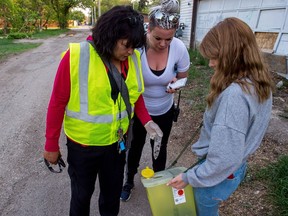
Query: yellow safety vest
x=92, y=118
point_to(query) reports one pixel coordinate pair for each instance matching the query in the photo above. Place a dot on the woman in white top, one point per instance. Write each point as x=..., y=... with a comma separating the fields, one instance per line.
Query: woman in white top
x=164, y=60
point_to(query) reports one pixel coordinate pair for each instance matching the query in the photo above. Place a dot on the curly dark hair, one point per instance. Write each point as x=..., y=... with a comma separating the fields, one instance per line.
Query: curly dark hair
x=120, y=22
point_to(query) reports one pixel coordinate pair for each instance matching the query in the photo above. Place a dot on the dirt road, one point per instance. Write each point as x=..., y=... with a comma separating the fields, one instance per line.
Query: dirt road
x=27, y=188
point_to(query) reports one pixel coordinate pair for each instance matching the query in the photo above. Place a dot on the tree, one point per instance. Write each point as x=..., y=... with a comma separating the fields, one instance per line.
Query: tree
x=108, y=4
x=6, y=8
x=77, y=15
x=43, y=13
x=62, y=9
x=23, y=15
x=27, y=15
x=31, y=15
x=142, y=5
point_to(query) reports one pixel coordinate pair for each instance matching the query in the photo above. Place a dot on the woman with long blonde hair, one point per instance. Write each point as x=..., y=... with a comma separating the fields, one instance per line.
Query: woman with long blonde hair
x=237, y=116
x=164, y=60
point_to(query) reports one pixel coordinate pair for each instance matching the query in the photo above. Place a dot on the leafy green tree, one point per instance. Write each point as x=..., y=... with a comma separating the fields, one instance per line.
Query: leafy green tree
x=32, y=15
x=77, y=15
x=28, y=15
x=62, y=9
x=6, y=8
x=142, y=5
x=108, y=4
x=43, y=13
x=23, y=15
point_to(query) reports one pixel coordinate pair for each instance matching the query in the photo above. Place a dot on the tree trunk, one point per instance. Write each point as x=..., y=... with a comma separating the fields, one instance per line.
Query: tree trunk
x=4, y=27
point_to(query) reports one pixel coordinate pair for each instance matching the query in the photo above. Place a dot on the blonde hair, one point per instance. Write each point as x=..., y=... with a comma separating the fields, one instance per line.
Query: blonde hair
x=234, y=45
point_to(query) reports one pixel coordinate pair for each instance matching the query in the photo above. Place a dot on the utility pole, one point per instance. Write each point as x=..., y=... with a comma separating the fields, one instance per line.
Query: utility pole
x=94, y=14
x=99, y=8
x=95, y=17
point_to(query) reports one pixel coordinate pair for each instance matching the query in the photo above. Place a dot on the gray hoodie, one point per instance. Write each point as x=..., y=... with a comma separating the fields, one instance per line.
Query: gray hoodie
x=233, y=129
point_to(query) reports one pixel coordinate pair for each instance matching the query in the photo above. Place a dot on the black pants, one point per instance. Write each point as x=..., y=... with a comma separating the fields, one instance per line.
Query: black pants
x=139, y=135
x=85, y=163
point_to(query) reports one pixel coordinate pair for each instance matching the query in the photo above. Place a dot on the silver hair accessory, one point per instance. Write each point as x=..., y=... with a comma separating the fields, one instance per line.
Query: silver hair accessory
x=166, y=15
x=166, y=20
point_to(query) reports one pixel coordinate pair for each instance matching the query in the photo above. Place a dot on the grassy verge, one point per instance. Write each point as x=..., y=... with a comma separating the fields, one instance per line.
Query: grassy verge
x=276, y=178
x=9, y=47
x=198, y=81
x=49, y=33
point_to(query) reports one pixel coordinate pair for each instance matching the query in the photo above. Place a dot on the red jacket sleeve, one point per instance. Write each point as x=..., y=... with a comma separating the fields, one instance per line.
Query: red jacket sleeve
x=58, y=101
x=141, y=111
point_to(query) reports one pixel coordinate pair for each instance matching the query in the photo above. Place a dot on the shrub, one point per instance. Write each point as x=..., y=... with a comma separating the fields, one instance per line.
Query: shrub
x=18, y=35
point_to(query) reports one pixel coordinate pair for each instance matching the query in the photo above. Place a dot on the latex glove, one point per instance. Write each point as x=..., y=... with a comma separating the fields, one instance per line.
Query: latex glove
x=157, y=146
x=153, y=129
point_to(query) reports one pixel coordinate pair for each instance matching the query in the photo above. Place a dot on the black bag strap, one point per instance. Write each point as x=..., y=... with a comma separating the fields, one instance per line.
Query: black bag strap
x=124, y=93
x=178, y=103
x=121, y=85
x=186, y=146
x=119, y=81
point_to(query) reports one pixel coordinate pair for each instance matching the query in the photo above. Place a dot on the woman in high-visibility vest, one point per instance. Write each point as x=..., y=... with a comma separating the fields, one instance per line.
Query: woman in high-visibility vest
x=89, y=97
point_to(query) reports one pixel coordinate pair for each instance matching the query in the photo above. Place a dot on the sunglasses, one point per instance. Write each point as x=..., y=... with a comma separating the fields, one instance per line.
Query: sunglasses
x=60, y=163
x=134, y=20
x=162, y=17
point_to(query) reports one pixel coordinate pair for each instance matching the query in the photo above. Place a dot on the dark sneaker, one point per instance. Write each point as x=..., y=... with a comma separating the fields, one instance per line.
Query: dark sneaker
x=126, y=192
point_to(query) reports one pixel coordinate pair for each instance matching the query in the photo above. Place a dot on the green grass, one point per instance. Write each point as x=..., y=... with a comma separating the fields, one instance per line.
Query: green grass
x=49, y=33
x=8, y=47
x=198, y=81
x=197, y=59
x=276, y=177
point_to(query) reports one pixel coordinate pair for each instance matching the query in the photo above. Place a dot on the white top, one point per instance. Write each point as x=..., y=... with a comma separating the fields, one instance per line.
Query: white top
x=156, y=99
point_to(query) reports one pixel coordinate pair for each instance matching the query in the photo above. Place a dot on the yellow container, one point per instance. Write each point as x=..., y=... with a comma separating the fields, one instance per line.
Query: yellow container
x=165, y=200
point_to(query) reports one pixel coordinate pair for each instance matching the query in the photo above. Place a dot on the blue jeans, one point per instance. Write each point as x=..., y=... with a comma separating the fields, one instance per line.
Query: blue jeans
x=208, y=199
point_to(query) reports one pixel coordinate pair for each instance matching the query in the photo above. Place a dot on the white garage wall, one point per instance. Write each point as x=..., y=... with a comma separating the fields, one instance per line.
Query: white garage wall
x=186, y=7
x=260, y=15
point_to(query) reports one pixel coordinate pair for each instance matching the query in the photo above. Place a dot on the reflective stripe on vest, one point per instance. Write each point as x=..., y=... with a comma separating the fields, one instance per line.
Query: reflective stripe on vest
x=137, y=72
